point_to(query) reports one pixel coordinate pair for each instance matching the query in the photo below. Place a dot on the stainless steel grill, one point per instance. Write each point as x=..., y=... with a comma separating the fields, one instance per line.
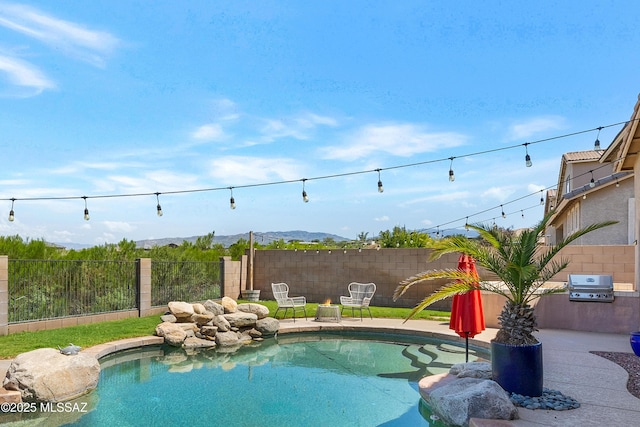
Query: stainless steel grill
x=591, y=287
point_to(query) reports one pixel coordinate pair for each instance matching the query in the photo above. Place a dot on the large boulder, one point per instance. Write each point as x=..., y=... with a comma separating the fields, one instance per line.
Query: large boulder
x=227, y=339
x=173, y=334
x=240, y=319
x=221, y=323
x=456, y=400
x=258, y=309
x=267, y=326
x=472, y=370
x=213, y=307
x=46, y=375
x=182, y=310
x=229, y=304
x=198, y=308
x=202, y=318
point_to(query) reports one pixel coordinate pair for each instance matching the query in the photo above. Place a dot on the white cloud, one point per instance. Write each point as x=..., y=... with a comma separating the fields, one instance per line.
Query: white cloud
x=208, y=132
x=298, y=127
x=398, y=139
x=161, y=180
x=498, y=193
x=382, y=218
x=535, y=125
x=71, y=38
x=240, y=170
x=23, y=74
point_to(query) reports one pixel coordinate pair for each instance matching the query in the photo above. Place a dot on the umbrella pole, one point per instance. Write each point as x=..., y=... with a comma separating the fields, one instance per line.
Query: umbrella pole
x=467, y=347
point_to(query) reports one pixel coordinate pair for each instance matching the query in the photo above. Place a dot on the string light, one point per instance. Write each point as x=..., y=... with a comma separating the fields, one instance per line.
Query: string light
x=592, y=183
x=541, y=197
x=86, y=210
x=380, y=187
x=11, y=215
x=452, y=177
x=158, y=208
x=522, y=212
x=596, y=144
x=504, y=215
x=305, y=198
x=527, y=157
x=466, y=224
x=451, y=174
x=232, y=201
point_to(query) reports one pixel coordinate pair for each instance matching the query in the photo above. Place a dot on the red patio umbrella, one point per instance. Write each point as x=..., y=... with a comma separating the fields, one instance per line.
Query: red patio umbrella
x=467, y=317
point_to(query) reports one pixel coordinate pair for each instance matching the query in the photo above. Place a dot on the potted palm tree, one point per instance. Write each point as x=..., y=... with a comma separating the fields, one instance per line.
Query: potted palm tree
x=523, y=264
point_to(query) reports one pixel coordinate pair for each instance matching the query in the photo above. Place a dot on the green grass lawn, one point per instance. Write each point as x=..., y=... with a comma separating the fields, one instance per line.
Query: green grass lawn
x=99, y=333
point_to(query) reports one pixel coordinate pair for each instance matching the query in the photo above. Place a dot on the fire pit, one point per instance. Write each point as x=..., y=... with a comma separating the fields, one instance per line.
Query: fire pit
x=328, y=313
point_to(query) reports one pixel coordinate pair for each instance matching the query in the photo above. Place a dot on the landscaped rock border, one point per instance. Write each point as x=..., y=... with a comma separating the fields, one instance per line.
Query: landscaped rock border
x=225, y=324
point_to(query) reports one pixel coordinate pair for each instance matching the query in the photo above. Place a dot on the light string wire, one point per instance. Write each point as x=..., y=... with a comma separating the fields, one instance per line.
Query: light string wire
x=331, y=176
x=439, y=228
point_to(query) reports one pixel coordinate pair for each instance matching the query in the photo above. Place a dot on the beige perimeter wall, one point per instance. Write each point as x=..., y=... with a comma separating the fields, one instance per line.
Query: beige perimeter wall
x=322, y=275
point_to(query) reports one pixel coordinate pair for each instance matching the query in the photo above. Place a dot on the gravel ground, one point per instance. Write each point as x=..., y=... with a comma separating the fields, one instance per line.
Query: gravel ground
x=631, y=363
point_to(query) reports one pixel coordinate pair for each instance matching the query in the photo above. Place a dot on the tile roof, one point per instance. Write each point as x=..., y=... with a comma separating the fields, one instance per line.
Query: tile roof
x=581, y=156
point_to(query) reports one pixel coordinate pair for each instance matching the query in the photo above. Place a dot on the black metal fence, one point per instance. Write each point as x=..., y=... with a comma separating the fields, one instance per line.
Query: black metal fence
x=44, y=289
x=184, y=281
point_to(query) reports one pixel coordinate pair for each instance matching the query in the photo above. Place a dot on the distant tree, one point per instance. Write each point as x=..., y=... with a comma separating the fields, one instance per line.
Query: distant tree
x=205, y=242
x=399, y=237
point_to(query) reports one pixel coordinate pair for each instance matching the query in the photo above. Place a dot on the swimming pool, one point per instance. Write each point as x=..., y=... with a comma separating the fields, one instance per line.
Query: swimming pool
x=338, y=379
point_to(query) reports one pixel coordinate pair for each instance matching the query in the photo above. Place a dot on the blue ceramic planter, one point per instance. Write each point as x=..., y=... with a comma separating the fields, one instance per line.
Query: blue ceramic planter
x=518, y=368
x=635, y=342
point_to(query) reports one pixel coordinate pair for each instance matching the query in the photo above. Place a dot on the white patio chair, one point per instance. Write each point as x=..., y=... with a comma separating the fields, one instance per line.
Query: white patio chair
x=281, y=295
x=360, y=295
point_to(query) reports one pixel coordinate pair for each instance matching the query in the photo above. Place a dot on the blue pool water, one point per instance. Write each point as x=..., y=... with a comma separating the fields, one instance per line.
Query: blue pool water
x=295, y=380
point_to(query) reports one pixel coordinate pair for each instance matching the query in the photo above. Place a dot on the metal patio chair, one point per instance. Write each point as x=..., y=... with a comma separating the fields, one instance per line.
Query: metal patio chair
x=281, y=295
x=360, y=295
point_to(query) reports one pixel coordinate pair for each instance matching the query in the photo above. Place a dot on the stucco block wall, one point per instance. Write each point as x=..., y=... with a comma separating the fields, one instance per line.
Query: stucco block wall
x=617, y=260
x=325, y=274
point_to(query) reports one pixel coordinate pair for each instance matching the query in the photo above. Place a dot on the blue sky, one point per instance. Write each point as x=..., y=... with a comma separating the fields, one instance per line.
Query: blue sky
x=119, y=100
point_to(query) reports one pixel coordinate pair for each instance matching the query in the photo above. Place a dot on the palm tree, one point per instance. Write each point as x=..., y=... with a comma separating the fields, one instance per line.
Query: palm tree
x=522, y=263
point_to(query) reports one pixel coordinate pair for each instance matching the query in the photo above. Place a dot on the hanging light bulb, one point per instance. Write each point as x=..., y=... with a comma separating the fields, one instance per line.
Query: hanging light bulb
x=452, y=176
x=305, y=198
x=232, y=201
x=522, y=212
x=592, y=183
x=11, y=215
x=380, y=187
x=466, y=224
x=86, y=210
x=527, y=157
x=504, y=215
x=541, y=198
x=596, y=144
x=158, y=208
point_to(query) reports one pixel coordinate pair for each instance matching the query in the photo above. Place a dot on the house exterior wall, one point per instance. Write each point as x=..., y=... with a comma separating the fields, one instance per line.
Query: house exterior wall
x=611, y=203
x=579, y=175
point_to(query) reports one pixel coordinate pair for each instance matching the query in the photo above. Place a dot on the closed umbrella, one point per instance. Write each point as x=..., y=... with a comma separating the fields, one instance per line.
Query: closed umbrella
x=467, y=317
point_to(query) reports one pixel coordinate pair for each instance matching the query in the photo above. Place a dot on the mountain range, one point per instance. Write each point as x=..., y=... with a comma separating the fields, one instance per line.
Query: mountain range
x=259, y=237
